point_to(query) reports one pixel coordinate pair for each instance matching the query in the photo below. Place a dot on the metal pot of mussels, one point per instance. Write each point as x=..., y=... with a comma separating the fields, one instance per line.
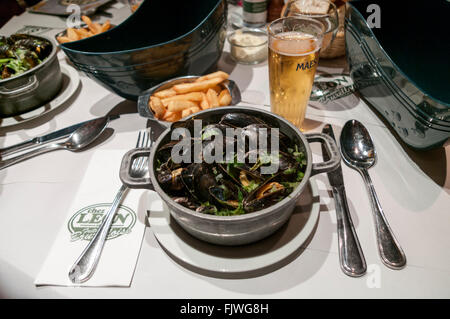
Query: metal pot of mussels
x=30, y=75
x=230, y=193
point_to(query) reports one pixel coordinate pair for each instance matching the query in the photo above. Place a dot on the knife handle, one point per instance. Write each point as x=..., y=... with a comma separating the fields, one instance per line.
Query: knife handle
x=34, y=152
x=18, y=147
x=350, y=253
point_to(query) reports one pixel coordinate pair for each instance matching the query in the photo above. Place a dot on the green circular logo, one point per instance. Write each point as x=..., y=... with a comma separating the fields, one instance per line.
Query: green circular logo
x=84, y=223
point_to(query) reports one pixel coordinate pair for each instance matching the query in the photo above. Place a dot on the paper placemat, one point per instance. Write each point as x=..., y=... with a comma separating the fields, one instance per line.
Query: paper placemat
x=120, y=253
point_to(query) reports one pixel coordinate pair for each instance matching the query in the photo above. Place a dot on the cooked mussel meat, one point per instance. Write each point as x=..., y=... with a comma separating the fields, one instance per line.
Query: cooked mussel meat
x=21, y=52
x=237, y=184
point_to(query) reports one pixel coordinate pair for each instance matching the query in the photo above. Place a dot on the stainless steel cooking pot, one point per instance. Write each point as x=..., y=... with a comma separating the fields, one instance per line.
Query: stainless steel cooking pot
x=33, y=88
x=240, y=229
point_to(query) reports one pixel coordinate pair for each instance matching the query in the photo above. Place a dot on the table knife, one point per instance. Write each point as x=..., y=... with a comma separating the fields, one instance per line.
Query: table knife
x=350, y=253
x=41, y=140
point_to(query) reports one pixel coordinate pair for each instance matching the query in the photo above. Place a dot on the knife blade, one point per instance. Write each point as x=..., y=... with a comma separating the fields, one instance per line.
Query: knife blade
x=351, y=256
x=41, y=140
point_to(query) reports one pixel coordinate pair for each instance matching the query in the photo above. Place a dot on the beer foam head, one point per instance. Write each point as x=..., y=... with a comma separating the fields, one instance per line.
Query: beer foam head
x=295, y=43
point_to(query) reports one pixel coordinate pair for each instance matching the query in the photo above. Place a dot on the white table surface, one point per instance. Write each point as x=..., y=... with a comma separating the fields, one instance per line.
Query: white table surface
x=414, y=190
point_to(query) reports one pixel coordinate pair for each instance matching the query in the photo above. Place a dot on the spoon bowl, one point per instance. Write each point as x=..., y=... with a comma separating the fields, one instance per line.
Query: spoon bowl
x=85, y=134
x=357, y=146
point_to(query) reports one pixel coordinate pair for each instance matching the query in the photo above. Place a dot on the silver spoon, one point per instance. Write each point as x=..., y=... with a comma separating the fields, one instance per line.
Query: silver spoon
x=359, y=153
x=80, y=138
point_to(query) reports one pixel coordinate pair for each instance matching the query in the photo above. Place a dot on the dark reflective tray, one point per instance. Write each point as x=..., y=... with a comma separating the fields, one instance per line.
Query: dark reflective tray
x=402, y=68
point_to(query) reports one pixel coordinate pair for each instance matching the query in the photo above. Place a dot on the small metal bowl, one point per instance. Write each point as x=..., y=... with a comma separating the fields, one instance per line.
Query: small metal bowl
x=145, y=111
x=248, y=54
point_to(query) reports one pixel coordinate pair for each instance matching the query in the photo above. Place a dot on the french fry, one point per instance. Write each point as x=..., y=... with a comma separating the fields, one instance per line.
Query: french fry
x=196, y=86
x=218, y=74
x=165, y=93
x=184, y=99
x=204, y=104
x=71, y=34
x=105, y=26
x=193, y=96
x=195, y=109
x=211, y=95
x=97, y=27
x=82, y=33
x=179, y=105
x=174, y=117
x=63, y=39
x=217, y=88
x=186, y=112
x=89, y=23
x=86, y=20
x=157, y=107
x=168, y=114
x=224, y=98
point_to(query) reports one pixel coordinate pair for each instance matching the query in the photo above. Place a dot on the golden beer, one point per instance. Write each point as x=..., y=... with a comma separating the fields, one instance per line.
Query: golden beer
x=293, y=59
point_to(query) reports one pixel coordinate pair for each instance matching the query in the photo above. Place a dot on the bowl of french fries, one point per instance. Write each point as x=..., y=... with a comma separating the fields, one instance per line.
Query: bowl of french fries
x=88, y=29
x=177, y=98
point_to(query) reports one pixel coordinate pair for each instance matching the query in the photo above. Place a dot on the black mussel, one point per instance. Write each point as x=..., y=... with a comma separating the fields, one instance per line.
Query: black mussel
x=264, y=196
x=242, y=175
x=270, y=163
x=186, y=202
x=6, y=72
x=165, y=152
x=226, y=194
x=239, y=119
x=198, y=178
x=215, y=150
x=207, y=209
x=170, y=179
x=214, y=129
x=244, y=181
x=41, y=47
x=6, y=51
x=280, y=162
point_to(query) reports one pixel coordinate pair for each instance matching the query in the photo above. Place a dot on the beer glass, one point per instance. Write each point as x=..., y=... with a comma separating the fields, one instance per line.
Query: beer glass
x=294, y=44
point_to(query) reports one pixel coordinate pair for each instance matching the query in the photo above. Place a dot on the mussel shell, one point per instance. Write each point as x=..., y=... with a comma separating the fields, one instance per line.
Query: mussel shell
x=206, y=209
x=6, y=52
x=251, y=203
x=226, y=194
x=186, y=202
x=239, y=119
x=170, y=179
x=198, y=179
x=235, y=171
x=41, y=47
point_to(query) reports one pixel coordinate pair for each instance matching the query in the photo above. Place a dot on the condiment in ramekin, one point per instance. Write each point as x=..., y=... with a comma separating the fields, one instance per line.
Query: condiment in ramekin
x=248, y=45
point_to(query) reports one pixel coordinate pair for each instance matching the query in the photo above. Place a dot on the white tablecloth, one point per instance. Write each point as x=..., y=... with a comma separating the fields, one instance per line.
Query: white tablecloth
x=413, y=187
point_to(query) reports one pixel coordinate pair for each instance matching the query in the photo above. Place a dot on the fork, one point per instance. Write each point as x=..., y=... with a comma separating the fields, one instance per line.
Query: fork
x=84, y=267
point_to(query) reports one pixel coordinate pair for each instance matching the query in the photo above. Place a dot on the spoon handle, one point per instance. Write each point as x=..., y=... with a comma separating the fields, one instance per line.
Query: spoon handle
x=390, y=251
x=30, y=154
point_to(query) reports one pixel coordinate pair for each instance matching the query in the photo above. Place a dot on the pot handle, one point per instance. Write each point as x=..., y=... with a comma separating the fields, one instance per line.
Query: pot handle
x=30, y=85
x=126, y=178
x=332, y=149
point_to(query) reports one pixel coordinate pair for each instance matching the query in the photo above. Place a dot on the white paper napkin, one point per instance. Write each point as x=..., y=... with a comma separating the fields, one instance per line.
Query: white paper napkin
x=121, y=250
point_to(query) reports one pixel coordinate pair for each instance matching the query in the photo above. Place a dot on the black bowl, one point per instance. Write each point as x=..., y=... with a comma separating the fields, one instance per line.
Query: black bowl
x=161, y=40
